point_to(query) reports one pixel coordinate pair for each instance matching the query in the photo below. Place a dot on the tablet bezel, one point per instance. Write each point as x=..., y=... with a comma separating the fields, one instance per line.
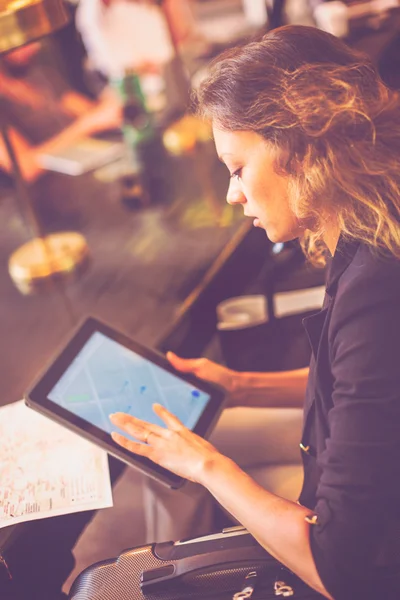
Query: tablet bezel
x=37, y=398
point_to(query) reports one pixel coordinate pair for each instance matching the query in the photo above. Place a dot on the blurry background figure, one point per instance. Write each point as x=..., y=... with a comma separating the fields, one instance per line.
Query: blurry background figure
x=45, y=114
x=122, y=36
x=134, y=45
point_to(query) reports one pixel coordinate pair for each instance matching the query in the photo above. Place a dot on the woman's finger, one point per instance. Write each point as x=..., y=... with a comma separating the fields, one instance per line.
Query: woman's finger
x=135, y=447
x=171, y=421
x=136, y=427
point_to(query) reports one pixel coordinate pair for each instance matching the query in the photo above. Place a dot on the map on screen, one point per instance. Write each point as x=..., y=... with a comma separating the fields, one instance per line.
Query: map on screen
x=106, y=377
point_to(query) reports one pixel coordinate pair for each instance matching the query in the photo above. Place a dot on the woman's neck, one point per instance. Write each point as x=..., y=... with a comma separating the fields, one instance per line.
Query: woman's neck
x=331, y=236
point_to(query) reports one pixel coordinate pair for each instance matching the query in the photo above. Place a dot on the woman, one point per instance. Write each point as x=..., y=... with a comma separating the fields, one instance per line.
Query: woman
x=311, y=138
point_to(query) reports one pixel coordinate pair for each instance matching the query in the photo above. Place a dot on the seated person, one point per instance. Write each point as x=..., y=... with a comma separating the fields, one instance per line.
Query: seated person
x=126, y=35
x=310, y=136
x=43, y=113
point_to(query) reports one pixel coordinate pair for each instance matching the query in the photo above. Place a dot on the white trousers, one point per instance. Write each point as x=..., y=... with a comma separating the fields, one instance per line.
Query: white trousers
x=263, y=441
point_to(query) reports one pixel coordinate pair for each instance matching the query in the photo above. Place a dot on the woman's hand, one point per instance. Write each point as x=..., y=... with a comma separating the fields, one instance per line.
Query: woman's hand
x=176, y=448
x=210, y=371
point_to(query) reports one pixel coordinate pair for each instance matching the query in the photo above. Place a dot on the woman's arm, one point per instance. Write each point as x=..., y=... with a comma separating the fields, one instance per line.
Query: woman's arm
x=106, y=114
x=284, y=389
x=76, y=104
x=279, y=525
x=103, y=115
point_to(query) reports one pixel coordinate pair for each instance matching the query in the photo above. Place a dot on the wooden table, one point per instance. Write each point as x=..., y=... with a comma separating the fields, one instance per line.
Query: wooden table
x=156, y=274
x=145, y=264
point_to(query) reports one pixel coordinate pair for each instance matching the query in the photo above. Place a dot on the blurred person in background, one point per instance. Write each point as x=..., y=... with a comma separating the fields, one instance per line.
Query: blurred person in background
x=122, y=35
x=42, y=110
x=146, y=37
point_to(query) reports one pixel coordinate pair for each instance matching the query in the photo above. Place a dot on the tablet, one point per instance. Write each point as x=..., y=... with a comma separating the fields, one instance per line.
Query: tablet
x=102, y=371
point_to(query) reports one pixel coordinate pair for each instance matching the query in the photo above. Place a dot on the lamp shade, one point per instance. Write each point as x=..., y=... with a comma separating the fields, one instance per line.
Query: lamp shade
x=22, y=21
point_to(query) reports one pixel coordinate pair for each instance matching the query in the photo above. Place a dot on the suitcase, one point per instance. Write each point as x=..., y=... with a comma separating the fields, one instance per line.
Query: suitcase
x=223, y=566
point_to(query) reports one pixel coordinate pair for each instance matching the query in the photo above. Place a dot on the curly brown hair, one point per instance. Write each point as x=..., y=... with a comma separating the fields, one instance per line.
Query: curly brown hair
x=335, y=124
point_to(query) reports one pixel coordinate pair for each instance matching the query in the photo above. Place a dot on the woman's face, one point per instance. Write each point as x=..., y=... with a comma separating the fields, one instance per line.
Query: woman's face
x=255, y=184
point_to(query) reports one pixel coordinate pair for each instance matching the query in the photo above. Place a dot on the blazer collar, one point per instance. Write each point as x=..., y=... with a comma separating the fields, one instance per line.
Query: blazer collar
x=344, y=254
x=314, y=324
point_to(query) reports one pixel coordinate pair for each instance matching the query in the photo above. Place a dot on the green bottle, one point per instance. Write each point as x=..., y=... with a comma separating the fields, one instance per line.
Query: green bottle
x=138, y=132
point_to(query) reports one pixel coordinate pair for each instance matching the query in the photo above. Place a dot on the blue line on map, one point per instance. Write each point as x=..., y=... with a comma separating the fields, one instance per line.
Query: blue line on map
x=124, y=385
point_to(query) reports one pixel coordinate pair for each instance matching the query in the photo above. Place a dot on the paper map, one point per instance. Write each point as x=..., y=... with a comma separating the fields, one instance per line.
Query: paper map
x=46, y=470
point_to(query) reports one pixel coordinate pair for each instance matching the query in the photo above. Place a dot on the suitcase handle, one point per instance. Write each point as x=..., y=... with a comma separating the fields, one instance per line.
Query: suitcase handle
x=229, y=549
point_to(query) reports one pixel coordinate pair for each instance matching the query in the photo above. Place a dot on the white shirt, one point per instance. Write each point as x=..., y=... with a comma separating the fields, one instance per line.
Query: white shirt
x=124, y=35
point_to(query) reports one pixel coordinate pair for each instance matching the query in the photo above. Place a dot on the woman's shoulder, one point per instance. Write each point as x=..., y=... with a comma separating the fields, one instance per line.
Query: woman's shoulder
x=369, y=288
x=364, y=323
x=372, y=271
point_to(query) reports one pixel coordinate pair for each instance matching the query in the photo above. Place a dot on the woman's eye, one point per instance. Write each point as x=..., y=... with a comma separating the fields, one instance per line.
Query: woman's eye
x=236, y=174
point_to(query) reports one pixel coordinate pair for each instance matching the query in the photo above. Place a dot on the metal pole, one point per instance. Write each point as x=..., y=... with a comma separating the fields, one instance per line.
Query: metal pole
x=22, y=195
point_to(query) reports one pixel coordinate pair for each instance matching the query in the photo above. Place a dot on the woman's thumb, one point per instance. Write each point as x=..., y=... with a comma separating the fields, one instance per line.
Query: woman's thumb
x=186, y=365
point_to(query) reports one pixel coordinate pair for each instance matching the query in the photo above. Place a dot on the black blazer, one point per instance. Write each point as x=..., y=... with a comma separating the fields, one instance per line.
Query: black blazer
x=351, y=434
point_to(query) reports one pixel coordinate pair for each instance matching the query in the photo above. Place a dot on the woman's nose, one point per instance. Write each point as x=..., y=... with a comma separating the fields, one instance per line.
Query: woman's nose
x=234, y=194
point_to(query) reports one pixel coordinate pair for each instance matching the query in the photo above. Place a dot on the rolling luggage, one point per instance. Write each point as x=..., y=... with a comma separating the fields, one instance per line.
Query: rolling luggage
x=223, y=566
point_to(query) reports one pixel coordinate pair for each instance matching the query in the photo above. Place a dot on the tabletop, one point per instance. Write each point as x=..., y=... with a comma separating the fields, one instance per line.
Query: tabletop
x=144, y=266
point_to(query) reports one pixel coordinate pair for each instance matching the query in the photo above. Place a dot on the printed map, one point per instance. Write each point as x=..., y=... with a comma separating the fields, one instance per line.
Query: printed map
x=45, y=470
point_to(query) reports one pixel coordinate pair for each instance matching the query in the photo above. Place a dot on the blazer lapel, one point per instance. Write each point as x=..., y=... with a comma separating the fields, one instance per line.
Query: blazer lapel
x=314, y=327
x=316, y=324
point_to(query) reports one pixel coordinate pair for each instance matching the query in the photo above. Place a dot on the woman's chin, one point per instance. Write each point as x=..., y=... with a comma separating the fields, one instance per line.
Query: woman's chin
x=272, y=234
x=276, y=234
x=277, y=237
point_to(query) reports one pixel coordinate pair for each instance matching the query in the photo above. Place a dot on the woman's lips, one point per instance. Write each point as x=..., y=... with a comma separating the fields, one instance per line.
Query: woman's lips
x=257, y=223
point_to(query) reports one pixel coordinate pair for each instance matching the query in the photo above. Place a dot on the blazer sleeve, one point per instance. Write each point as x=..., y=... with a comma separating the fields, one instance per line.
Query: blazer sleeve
x=359, y=490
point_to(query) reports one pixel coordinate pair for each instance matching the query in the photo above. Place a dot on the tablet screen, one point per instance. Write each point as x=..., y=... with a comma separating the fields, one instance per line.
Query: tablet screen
x=106, y=377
